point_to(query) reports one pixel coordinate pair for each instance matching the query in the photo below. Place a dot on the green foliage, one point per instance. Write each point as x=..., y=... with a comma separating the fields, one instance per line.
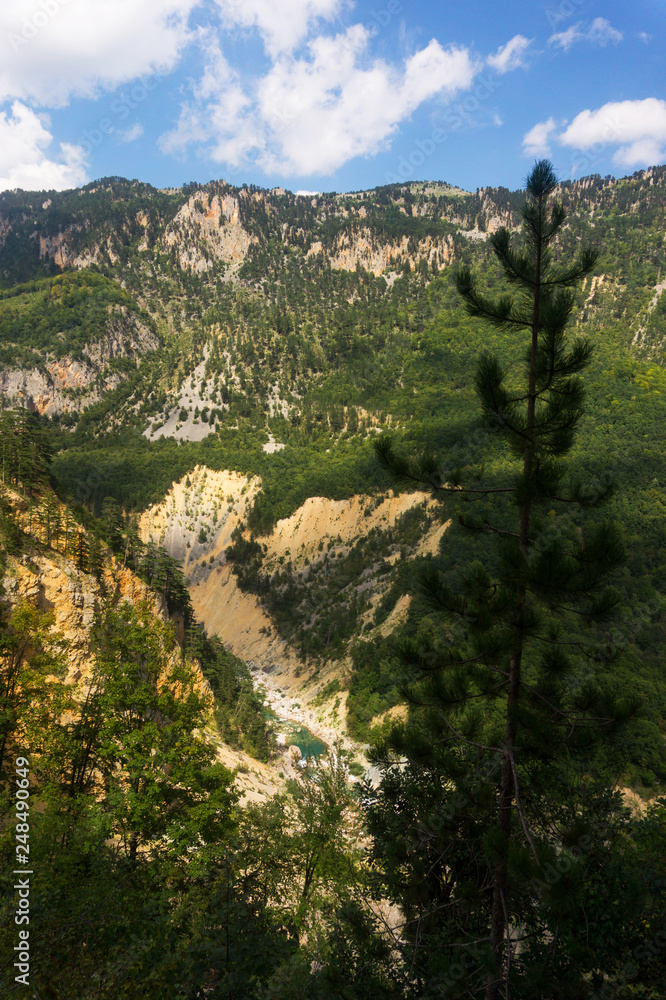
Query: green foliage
x=25, y=451
x=322, y=358
x=238, y=709
x=505, y=697
x=31, y=658
x=376, y=685
x=60, y=316
x=327, y=692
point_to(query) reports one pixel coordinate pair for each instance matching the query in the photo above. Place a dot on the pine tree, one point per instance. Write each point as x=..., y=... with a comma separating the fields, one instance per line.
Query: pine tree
x=81, y=551
x=49, y=515
x=25, y=450
x=508, y=703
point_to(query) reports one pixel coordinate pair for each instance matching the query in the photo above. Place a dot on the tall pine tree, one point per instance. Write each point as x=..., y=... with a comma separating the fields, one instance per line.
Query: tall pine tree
x=495, y=795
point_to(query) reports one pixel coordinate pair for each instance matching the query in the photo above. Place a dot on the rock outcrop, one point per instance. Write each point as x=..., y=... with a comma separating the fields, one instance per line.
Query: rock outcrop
x=363, y=248
x=208, y=229
x=67, y=384
x=195, y=523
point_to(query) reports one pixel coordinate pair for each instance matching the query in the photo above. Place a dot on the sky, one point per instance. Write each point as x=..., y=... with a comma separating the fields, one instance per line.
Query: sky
x=328, y=95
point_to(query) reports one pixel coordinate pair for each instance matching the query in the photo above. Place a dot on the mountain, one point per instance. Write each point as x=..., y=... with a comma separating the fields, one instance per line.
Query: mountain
x=195, y=527
x=263, y=340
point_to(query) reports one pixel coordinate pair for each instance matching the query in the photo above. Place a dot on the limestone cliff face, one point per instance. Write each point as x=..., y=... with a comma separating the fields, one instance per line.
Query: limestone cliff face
x=52, y=582
x=195, y=523
x=208, y=229
x=58, y=248
x=380, y=257
x=215, y=503
x=62, y=385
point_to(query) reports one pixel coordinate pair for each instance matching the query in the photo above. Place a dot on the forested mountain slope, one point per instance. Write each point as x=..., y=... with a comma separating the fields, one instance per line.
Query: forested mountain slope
x=275, y=336
x=193, y=383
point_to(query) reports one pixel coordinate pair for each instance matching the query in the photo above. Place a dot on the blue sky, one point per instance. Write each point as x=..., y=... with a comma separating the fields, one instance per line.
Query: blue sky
x=325, y=95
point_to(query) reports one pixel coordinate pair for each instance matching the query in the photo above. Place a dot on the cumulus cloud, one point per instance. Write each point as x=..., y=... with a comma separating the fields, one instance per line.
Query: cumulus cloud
x=635, y=129
x=536, y=141
x=510, y=56
x=311, y=114
x=133, y=133
x=282, y=24
x=218, y=116
x=24, y=158
x=56, y=49
x=599, y=33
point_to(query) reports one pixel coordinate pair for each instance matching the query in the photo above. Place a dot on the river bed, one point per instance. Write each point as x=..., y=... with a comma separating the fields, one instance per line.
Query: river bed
x=300, y=725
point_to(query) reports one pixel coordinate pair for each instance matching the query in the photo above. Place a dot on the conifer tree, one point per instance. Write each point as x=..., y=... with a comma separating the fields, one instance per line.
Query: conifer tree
x=81, y=551
x=25, y=450
x=509, y=702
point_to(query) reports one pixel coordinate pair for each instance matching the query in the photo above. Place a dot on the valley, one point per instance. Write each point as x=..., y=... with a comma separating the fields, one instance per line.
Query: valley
x=263, y=484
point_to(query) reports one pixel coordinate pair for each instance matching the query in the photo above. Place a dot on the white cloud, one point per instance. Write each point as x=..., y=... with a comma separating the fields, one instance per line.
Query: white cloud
x=220, y=111
x=644, y=37
x=310, y=115
x=565, y=39
x=641, y=153
x=510, y=56
x=133, y=133
x=600, y=33
x=24, y=163
x=536, y=141
x=282, y=24
x=58, y=49
x=636, y=130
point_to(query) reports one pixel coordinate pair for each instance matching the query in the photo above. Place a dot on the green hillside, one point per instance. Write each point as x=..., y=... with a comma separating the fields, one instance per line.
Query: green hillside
x=283, y=337
x=321, y=354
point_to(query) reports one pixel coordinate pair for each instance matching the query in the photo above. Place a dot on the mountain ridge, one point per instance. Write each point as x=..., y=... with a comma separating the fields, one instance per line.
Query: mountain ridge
x=292, y=330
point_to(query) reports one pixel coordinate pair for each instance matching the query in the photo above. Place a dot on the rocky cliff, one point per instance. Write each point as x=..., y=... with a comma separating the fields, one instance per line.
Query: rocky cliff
x=208, y=229
x=70, y=384
x=51, y=581
x=196, y=521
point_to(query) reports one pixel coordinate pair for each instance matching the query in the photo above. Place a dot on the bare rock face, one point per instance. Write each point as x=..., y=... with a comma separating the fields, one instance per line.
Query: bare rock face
x=57, y=248
x=53, y=583
x=195, y=523
x=208, y=229
x=380, y=257
x=294, y=753
x=63, y=385
x=60, y=249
